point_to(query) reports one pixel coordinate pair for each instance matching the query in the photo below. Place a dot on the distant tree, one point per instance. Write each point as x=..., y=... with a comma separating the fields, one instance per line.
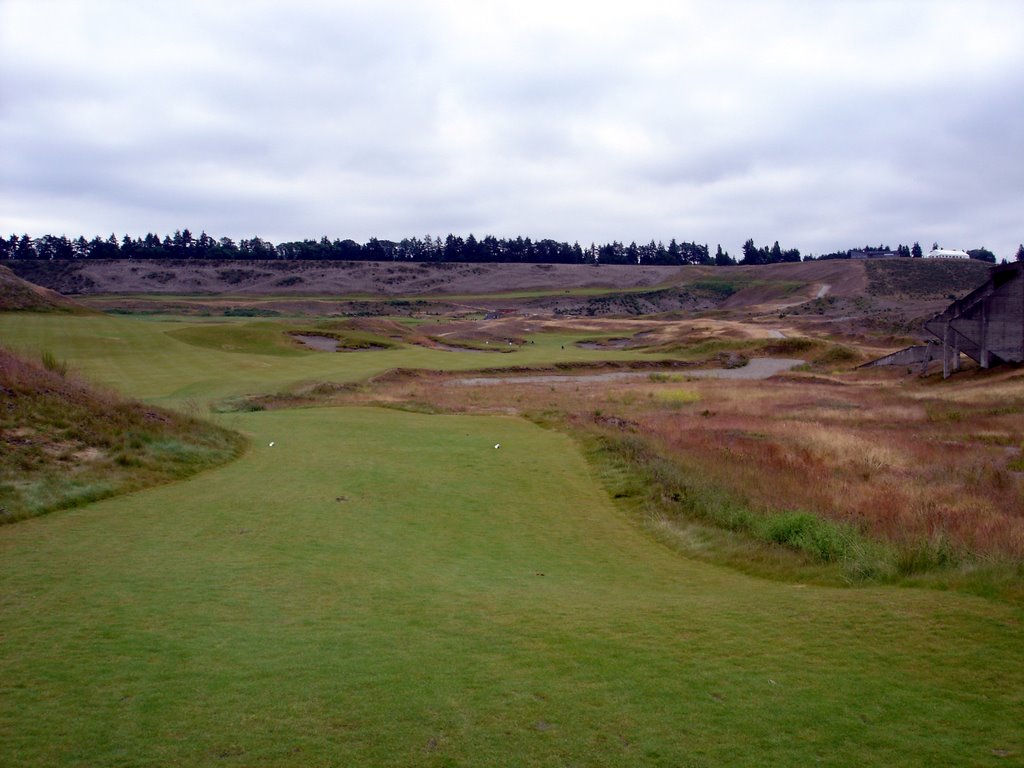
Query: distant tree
x=915, y=250
x=613, y=253
x=751, y=254
x=52, y=248
x=471, y=248
x=25, y=248
x=935, y=246
x=227, y=247
x=453, y=248
x=130, y=248
x=1020, y=252
x=722, y=258
x=675, y=255
x=206, y=246
x=80, y=248
x=982, y=254
x=104, y=249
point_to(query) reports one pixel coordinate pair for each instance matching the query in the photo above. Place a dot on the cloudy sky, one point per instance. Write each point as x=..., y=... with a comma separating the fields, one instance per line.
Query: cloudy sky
x=823, y=125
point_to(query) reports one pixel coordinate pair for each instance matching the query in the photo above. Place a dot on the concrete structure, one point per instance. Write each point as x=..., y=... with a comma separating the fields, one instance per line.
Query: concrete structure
x=919, y=354
x=987, y=324
x=947, y=254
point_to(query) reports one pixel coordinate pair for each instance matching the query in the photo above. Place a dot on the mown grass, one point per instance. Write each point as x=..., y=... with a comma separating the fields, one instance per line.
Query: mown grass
x=65, y=444
x=256, y=338
x=385, y=588
x=146, y=358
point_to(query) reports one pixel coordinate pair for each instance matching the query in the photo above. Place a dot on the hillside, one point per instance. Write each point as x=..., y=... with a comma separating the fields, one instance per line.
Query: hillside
x=18, y=295
x=318, y=278
x=837, y=296
x=62, y=443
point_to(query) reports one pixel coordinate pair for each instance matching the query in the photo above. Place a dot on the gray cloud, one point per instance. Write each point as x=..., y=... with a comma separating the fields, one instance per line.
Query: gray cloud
x=820, y=125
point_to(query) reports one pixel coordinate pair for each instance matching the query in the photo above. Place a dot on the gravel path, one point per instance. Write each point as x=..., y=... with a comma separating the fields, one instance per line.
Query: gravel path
x=758, y=368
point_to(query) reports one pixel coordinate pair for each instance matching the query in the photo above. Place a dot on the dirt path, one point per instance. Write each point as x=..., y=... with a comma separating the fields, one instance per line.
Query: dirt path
x=758, y=368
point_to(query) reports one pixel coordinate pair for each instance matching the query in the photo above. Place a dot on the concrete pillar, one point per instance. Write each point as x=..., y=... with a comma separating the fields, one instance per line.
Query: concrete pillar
x=984, y=333
x=946, y=338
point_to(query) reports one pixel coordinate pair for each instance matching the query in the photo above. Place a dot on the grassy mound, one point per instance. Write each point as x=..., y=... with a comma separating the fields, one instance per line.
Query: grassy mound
x=66, y=444
x=17, y=295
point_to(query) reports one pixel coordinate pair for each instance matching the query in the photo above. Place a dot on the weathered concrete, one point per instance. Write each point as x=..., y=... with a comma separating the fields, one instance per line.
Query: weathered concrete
x=987, y=324
x=918, y=354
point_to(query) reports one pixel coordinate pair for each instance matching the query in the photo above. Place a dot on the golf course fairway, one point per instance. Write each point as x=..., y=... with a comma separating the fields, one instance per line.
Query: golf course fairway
x=389, y=589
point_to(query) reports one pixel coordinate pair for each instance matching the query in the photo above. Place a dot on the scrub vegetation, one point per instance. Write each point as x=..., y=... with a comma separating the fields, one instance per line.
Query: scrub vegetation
x=65, y=443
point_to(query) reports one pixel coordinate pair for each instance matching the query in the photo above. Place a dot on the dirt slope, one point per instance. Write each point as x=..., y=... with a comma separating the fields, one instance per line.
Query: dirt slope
x=17, y=295
x=333, y=278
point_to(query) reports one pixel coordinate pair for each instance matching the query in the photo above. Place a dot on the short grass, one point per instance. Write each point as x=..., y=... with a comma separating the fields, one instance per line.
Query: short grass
x=385, y=588
x=181, y=361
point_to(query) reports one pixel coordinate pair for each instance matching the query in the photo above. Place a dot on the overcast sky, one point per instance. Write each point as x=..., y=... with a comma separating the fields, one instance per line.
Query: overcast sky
x=823, y=125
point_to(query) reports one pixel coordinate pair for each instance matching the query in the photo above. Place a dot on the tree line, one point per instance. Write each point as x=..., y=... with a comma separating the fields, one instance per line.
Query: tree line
x=519, y=250
x=184, y=245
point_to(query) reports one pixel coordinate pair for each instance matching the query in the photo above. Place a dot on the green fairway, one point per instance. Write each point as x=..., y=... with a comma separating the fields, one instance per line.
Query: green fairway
x=385, y=588
x=151, y=358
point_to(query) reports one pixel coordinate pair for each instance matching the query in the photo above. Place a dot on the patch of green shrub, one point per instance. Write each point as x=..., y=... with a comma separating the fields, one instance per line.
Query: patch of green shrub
x=791, y=345
x=52, y=363
x=827, y=541
x=676, y=398
x=922, y=556
x=838, y=354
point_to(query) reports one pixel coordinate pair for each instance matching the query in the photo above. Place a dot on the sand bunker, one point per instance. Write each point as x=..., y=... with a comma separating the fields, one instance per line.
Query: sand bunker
x=319, y=343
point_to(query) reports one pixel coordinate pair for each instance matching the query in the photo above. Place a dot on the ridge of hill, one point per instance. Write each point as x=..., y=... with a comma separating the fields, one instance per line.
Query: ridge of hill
x=318, y=278
x=889, y=296
x=64, y=443
x=19, y=295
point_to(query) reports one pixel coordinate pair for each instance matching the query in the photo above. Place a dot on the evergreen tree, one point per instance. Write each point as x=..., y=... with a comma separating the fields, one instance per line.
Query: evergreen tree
x=751, y=255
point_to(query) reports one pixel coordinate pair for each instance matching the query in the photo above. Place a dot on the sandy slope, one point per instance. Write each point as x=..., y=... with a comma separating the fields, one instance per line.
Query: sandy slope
x=334, y=278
